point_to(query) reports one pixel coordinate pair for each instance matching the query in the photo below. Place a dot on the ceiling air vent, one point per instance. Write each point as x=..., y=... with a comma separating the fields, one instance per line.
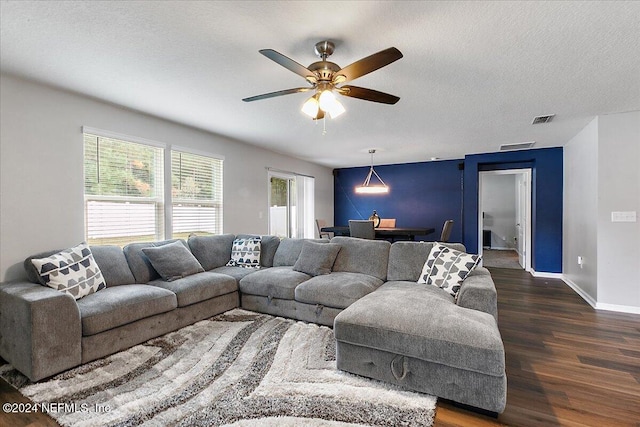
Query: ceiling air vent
x=542, y=119
x=517, y=146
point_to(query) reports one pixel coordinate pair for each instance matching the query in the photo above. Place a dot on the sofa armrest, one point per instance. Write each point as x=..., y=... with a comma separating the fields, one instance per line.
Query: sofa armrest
x=479, y=293
x=40, y=329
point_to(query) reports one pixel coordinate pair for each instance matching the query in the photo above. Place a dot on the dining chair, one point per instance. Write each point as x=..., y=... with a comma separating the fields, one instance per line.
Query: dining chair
x=320, y=223
x=362, y=229
x=387, y=222
x=446, y=230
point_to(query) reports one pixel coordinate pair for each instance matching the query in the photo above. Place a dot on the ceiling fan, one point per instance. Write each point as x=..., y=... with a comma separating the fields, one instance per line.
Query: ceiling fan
x=324, y=78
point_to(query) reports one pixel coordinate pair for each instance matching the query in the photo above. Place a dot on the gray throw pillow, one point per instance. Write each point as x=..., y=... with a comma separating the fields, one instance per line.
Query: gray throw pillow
x=316, y=259
x=173, y=261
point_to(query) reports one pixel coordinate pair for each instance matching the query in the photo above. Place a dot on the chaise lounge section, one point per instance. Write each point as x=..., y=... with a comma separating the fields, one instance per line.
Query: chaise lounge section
x=420, y=338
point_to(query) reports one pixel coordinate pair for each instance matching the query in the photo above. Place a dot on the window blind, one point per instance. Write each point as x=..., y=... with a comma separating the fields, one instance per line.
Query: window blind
x=123, y=188
x=196, y=192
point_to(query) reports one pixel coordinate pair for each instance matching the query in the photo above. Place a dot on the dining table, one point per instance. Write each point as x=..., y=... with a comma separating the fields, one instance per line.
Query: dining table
x=392, y=233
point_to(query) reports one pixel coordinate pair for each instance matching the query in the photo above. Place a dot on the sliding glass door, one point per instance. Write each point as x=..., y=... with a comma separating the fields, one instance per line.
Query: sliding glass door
x=282, y=205
x=291, y=207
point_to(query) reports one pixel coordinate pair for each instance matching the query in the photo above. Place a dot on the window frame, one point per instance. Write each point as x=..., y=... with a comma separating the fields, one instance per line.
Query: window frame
x=164, y=197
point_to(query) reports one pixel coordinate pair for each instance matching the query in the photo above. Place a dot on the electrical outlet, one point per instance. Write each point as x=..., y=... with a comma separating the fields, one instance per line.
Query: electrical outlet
x=580, y=261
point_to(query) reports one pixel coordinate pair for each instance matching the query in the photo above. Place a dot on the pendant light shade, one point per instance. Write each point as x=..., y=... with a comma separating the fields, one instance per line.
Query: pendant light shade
x=367, y=187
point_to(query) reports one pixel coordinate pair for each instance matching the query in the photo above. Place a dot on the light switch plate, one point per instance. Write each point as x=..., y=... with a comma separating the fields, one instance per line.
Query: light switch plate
x=623, y=216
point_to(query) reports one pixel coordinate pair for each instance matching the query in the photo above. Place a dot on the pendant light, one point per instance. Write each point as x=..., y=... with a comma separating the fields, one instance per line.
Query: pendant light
x=367, y=187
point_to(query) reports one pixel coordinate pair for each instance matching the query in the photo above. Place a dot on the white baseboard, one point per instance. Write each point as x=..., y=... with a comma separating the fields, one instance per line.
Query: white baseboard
x=619, y=308
x=546, y=275
x=599, y=305
x=580, y=292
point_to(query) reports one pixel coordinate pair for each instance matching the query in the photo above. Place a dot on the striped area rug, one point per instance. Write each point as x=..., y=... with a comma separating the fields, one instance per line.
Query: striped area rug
x=238, y=369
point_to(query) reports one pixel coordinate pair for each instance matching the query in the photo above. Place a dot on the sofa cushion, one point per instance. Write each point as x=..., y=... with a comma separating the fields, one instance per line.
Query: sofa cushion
x=139, y=263
x=275, y=282
x=173, y=261
x=245, y=253
x=478, y=292
x=289, y=250
x=338, y=289
x=446, y=268
x=212, y=251
x=362, y=256
x=431, y=328
x=198, y=287
x=406, y=259
x=120, y=305
x=316, y=259
x=72, y=270
x=268, y=247
x=113, y=265
x=236, y=272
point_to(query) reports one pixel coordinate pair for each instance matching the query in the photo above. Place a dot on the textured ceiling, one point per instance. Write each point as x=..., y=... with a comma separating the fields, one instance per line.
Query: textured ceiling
x=473, y=76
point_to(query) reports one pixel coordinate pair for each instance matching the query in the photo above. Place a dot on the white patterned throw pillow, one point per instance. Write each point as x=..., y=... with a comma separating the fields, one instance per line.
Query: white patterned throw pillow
x=73, y=271
x=447, y=268
x=246, y=253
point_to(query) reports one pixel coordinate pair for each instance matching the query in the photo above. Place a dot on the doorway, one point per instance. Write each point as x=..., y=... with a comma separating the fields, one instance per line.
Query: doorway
x=504, y=209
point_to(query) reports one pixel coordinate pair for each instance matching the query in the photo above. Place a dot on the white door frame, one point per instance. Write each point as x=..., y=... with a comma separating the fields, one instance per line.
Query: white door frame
x=528, y=177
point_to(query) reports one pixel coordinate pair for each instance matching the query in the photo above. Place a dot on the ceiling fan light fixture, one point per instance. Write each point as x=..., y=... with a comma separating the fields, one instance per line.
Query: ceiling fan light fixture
x=329, y=103
x=311, y=107
x=336, y=109
x=367, y=187
x=327, y=99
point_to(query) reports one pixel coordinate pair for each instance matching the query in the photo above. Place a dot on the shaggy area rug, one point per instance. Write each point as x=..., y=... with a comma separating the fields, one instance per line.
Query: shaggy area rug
x=238, y=369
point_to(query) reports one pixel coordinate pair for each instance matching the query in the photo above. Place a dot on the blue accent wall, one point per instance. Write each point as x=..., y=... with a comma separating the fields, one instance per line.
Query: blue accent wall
x=428, y=193
x=421, y=195
x=547, y=182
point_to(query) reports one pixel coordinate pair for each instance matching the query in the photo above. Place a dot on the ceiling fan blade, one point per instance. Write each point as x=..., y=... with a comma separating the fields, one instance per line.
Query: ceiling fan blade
x=370, y=63
x=368, y=94
x=278, y=93
x=288, y=63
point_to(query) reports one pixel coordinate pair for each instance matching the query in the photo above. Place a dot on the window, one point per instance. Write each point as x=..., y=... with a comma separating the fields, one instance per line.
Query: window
x=196, y=192
x=123, y=188
x=125, y=196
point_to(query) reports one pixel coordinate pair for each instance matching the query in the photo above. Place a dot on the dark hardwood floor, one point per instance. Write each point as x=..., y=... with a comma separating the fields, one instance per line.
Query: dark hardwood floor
x=567, y=364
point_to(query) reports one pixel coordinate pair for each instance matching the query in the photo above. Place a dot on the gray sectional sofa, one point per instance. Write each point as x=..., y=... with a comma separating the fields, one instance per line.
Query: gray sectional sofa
x=387, y=327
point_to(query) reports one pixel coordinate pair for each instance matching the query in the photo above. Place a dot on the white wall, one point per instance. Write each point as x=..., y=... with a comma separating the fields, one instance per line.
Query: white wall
x=499, y=207
x=41, y=173
x=618, y=190
x=580, y=211
x=602, y=175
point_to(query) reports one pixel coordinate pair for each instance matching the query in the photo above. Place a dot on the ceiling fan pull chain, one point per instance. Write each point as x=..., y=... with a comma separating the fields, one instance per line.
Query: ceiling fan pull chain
x=324, y=125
